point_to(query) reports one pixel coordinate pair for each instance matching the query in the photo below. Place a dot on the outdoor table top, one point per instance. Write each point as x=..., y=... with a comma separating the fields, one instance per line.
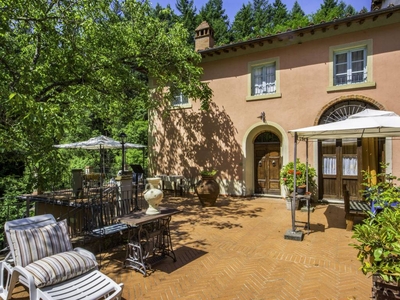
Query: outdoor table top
x=139, y=217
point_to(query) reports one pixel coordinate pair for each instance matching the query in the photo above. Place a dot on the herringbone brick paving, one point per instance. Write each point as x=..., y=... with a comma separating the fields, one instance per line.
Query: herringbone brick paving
x=237, y=250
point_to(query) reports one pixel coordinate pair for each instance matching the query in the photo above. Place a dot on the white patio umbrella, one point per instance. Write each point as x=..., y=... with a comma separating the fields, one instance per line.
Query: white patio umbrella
x=99, y=143
x=367, y=123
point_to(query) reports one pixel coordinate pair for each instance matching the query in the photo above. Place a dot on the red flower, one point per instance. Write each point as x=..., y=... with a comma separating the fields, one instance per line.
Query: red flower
x=292, y=172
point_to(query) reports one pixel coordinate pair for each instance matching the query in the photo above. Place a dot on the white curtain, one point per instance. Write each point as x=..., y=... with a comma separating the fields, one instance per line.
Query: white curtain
x=350, y=166
x=264, y=80
x=329, y=165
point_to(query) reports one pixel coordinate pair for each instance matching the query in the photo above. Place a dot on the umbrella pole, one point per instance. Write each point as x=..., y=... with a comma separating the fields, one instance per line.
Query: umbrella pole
x=101, y=190
x=292, y=234
x=293, y=207
x=306, y=165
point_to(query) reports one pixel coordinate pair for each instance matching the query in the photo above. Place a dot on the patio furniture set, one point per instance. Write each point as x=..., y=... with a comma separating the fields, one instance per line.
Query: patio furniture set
x=43, y=259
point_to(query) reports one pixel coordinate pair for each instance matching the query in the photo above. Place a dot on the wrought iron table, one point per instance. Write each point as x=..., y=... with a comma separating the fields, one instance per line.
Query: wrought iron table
x=149, y=238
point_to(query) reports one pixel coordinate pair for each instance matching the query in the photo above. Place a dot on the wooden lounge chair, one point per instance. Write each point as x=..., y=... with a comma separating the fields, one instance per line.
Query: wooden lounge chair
x=43, y=260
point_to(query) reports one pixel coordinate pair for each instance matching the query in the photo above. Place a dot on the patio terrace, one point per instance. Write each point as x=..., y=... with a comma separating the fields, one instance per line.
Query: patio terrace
x=237, y=250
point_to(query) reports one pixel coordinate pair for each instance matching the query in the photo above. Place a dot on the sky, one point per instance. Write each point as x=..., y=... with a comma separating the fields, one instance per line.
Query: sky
x=233, y=6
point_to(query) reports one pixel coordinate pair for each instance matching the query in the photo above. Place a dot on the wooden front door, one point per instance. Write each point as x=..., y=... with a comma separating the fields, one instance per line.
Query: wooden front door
x=267, y=167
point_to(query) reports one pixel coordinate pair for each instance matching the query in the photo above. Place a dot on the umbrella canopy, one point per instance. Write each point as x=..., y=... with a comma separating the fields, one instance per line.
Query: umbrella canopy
x=368, y=123
x=100, y=142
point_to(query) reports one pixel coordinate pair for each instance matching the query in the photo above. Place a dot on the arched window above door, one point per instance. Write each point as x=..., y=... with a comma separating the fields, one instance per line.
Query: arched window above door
x=342, y=110
x=267, y=137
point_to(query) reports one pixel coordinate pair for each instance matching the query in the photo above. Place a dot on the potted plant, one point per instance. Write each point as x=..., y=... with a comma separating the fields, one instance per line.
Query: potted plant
x=378, y=238
x=287, y=180
x=208, y=173
x=207, y=189
x=381, y=189
x=287, y=176
x=378, y=248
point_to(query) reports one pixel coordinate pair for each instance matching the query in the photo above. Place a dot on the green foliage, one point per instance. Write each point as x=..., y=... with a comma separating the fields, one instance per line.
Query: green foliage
x=208, y=172
x=187, y=17
x=280, y=13
x=378, y=244
x=331, y=9
x=385, y=191
x=11, y=208
x=73, y=70
x=296, y=10
x=262, y=17
x=287, y=175
x=242, y=25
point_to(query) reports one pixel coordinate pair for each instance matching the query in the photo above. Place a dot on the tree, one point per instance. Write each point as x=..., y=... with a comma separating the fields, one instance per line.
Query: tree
x=262, y=17
x=68, y=67
x=216, y=17
x=279, y=13
x=297, y=17
x=296, y=11
x=165, y=14
x=187, y=17
x=331, y=9
x=350, y=11
x=242, y=25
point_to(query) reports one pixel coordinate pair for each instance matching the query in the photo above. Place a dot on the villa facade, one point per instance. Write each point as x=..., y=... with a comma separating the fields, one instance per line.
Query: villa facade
x=264, y=87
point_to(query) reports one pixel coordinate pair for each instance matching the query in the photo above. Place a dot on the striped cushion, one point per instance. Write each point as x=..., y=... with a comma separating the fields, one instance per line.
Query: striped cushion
x=60, y=267
x=36, y=243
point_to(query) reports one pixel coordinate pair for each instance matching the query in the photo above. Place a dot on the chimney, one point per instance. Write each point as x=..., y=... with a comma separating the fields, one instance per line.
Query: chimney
x=376, y=4
x=204, y=37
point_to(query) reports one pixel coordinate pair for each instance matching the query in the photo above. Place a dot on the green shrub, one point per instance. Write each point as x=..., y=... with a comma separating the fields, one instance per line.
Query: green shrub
x=378, y=244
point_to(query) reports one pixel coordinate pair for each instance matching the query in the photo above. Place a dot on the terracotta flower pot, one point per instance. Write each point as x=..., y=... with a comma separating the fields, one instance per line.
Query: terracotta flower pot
x=207, y=189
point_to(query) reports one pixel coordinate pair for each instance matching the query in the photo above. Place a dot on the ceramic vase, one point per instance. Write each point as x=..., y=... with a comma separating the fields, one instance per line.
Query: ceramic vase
x=207, y=189
x=153, y=195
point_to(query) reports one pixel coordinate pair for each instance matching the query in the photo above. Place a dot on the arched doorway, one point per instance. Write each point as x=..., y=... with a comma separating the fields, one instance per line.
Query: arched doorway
x=267, y=163
x=341, y=161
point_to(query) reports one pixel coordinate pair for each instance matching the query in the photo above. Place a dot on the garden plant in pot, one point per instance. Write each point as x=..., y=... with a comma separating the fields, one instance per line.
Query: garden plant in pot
x=287, y=178
x=378, y=237
x=207, y=189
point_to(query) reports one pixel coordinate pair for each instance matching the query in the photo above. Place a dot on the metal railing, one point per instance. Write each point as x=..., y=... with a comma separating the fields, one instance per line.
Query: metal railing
x=92, y=209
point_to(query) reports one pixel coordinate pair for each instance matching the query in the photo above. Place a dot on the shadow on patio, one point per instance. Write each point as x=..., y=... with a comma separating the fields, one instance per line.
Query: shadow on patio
x=237, y=250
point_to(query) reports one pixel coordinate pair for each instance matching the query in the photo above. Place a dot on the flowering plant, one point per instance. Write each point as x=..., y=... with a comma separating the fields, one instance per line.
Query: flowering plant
x=287, y=175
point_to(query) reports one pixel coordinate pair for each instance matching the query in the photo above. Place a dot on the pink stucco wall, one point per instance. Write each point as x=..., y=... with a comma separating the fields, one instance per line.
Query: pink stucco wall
x=304, y=79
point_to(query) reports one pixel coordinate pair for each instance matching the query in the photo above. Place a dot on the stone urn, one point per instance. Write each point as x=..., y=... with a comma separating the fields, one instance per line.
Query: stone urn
x=153, y=195
x=207, y=189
